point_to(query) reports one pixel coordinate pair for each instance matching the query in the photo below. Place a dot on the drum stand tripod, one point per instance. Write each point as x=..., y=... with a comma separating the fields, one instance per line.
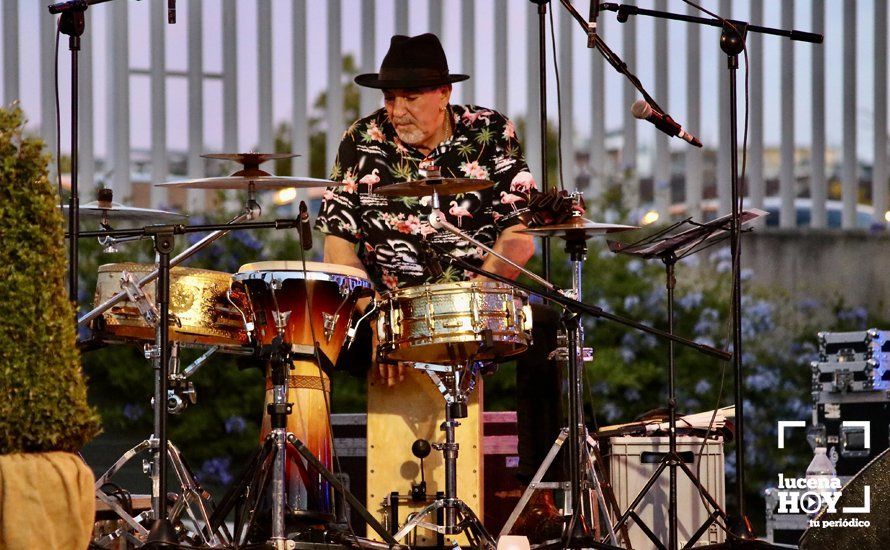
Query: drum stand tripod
x=162, y=530
x=194, y=500
x=583, y=456
x=455, y=386
x=250, y=486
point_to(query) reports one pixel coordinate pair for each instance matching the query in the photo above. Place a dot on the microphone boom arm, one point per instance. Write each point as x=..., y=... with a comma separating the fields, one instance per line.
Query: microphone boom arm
x=576, y=306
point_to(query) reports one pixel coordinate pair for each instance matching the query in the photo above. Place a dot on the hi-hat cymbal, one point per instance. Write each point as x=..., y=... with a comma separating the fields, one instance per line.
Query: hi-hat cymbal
x=103, y=210
x=248, y=159
x=425, y=187
x=259, y=180
x=577, y=228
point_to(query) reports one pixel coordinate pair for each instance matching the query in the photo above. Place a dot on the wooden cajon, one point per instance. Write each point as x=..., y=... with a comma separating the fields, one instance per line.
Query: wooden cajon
x=397, y=416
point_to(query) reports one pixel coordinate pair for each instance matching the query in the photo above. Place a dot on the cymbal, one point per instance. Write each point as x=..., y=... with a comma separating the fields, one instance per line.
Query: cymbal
x=425, y=187
x=249, y=158
x=259, y=179
x=102, y=210
x=577, y=228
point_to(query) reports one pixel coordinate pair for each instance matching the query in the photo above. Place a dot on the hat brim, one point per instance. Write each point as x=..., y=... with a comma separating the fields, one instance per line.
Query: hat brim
x=372, y=80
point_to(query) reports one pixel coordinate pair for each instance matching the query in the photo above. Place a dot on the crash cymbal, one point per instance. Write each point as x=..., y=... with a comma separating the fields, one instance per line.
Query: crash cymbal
x=248, y=159
x=100, y=210
x=577, y=228
x=425, y=187
x=259, y=180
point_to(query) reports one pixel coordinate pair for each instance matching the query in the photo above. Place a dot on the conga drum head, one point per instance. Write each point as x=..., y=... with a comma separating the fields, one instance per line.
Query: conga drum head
x=308, y=307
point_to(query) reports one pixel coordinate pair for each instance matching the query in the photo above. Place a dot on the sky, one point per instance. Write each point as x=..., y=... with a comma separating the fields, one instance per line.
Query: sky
x=712, y=62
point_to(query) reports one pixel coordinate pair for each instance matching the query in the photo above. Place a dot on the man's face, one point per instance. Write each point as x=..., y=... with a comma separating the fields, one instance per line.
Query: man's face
x=416, y=114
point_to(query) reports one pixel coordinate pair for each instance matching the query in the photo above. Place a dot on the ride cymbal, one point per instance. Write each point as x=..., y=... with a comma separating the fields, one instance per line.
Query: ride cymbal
x=260, y=181
x=117, y=211
x=577, y=228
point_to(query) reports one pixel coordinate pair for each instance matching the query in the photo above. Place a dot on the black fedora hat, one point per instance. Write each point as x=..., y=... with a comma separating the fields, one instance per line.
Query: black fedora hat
x=412, y=62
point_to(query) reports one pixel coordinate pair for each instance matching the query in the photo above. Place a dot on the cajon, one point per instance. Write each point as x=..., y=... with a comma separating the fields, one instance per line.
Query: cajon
x=397, y=416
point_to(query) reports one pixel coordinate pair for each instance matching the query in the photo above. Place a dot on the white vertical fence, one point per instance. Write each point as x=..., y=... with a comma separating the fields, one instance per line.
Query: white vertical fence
x=790, y=155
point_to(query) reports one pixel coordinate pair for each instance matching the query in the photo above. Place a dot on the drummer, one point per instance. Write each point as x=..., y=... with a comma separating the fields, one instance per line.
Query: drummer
x=417, y=130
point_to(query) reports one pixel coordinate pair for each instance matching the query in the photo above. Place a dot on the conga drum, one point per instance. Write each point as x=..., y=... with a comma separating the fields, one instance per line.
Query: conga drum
x=310, y=308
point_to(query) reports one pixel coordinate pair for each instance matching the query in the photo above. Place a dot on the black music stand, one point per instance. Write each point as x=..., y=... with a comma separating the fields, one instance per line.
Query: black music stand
x=670, y=246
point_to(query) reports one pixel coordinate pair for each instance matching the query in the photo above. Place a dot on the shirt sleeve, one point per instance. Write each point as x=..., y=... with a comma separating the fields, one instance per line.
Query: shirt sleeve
x=339, y=214
x=513, y=181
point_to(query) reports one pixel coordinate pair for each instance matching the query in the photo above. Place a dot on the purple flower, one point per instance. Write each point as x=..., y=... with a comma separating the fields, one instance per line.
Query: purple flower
x=216, y=470
x=235, y=425
x=856, y=315
x=133, y=412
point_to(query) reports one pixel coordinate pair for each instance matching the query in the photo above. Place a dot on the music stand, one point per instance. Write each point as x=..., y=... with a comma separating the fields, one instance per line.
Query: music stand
x=670, y=246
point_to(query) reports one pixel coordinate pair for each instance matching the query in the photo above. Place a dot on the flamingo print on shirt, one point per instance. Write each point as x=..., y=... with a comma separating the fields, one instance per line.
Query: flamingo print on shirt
x=511, y=199
x=459, y=211
x=371, y=180
x=483, y=146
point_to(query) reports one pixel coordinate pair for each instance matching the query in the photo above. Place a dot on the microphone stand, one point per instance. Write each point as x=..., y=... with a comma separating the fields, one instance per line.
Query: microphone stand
x=732, y=42
x=542, y=83
x=580, y=307
x=73, y=23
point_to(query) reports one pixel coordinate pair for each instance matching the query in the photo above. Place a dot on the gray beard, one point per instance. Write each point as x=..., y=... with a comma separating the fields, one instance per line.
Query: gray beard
x=410, y=137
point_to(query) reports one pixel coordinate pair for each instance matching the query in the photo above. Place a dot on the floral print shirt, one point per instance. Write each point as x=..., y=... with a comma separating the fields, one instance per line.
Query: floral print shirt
x=389, y=230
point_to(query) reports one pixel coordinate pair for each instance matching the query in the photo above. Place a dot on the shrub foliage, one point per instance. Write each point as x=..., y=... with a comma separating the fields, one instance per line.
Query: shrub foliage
x=44, y=405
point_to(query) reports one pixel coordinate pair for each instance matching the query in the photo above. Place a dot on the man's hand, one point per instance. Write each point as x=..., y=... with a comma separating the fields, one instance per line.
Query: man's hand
x=391, y=373
x=388, y=373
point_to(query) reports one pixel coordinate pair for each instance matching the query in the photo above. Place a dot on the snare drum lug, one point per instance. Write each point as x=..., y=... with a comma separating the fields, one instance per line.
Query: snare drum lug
x=527, y=318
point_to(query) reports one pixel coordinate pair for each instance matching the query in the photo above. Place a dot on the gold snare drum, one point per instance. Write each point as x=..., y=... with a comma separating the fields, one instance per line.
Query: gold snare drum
x=201, y=313
x=453, y=323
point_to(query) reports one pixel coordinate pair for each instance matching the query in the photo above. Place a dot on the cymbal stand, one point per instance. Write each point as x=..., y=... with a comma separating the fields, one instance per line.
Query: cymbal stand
x=581, y=449
x=455, y=387
x=162, y=531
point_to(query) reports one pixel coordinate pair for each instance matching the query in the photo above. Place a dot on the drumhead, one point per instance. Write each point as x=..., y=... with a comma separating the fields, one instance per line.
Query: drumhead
x=178, y=271
x=296, y=265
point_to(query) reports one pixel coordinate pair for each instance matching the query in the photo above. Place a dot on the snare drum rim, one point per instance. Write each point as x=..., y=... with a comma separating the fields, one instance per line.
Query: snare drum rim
x=487, y=287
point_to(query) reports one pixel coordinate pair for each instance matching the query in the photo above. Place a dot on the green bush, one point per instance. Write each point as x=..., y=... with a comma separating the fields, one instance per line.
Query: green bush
x=44, y=405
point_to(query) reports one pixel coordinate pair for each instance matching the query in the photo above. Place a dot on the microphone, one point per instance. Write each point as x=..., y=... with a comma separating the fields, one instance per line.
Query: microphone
x=430, y=259
x=643, y=111
x=305, y=228
x=171, y=11
x=591, y=23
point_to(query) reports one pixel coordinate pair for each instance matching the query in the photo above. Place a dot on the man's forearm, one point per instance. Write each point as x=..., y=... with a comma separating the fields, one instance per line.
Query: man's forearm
x=516, y=247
